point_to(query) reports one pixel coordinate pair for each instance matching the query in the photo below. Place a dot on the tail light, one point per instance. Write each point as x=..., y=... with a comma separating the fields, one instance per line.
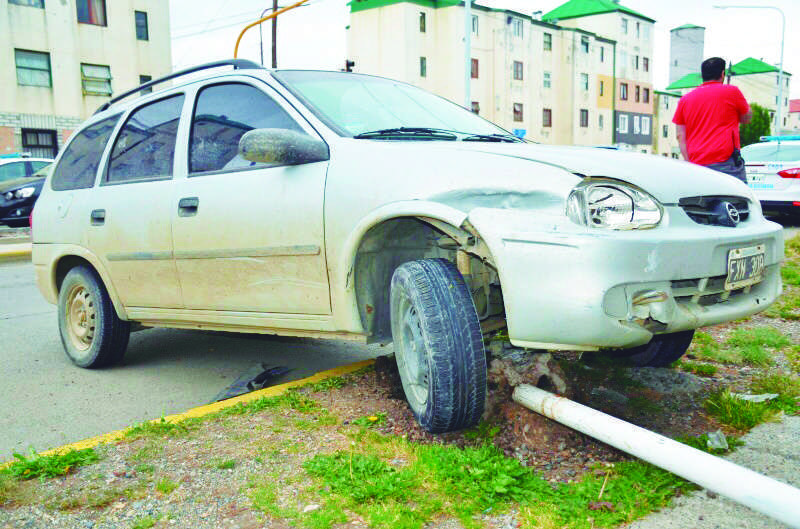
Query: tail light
x=790, y=173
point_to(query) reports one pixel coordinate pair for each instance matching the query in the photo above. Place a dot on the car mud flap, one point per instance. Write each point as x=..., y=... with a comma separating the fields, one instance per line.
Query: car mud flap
x=258, y=377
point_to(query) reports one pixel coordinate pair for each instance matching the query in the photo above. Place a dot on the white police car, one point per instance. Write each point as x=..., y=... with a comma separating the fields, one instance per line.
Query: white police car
x=773, y=173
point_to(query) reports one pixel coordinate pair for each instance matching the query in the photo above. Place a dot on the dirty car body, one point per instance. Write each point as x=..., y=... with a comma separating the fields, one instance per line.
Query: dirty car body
x=309, y=229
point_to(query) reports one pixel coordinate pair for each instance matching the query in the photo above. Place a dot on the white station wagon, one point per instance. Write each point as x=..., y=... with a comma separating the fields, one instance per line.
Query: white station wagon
x=339, y=205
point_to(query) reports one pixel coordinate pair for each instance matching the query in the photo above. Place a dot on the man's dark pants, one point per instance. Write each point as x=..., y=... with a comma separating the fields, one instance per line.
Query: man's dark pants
x=730, y=167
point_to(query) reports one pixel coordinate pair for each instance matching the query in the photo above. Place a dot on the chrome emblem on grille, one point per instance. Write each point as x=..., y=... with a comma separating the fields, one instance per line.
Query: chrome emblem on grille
x=733, y=213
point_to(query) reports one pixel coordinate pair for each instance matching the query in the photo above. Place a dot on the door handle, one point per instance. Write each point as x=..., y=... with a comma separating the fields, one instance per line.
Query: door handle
x=187, y=207
x=98, y=217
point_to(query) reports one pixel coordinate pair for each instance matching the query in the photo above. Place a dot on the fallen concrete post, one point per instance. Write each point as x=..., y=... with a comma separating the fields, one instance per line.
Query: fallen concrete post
x=761, y=493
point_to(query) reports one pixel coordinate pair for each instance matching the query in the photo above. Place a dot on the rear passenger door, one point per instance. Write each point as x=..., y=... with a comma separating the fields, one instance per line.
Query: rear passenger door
x=130, y=210
x=248, y=236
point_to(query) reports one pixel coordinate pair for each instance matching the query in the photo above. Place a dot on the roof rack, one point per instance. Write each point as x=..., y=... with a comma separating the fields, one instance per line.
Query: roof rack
x=238, y=64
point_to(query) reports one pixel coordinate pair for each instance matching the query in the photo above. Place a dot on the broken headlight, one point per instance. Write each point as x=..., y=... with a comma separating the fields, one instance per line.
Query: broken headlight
x=613, y=205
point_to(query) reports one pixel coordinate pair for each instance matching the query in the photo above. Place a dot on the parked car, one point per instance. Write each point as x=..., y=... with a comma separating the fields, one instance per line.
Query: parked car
x=18, y=196
x=773, y=173
x=17, y=165
x=340, y=205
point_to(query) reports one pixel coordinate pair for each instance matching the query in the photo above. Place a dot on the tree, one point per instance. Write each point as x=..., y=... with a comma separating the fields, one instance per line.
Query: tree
x=758, y=126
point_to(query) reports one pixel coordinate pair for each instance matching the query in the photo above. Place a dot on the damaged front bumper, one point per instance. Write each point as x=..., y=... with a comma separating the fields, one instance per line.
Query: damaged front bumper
x=567, y=288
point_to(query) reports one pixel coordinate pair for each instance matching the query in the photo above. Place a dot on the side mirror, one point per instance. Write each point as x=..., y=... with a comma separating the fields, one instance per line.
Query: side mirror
x=281, y=147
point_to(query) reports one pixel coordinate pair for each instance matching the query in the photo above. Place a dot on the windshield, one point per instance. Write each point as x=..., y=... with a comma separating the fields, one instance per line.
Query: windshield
x=352, y=104
x=771, y=152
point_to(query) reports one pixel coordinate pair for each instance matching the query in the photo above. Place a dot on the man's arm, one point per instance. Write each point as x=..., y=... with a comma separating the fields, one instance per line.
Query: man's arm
x=747, y=116
x=682, y=141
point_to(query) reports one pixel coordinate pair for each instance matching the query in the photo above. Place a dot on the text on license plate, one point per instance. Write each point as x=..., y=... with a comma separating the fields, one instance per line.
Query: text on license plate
x=745, y=266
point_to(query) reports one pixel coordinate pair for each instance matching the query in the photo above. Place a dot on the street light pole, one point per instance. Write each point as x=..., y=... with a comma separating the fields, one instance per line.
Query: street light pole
x=779, y=109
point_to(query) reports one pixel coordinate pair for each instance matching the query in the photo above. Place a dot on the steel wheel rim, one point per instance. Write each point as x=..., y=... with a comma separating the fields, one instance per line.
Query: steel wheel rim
x=412, y=357
x=80, y=317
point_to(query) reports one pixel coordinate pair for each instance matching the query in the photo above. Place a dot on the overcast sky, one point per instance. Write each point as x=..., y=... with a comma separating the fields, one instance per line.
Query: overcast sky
x=313, y=36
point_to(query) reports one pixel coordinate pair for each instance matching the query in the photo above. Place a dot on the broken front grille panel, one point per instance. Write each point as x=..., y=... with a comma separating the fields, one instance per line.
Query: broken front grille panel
x=715, y=210
x=705, y=291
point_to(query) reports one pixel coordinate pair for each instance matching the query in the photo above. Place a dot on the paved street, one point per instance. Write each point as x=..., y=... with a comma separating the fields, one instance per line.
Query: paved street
x=47, y=402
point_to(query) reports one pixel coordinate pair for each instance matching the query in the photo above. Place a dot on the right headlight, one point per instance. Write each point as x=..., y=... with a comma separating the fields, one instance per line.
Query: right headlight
x=612, y=205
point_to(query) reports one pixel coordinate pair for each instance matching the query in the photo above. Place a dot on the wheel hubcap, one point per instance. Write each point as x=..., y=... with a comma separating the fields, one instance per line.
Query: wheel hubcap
x=411, y=355
x=81, y=317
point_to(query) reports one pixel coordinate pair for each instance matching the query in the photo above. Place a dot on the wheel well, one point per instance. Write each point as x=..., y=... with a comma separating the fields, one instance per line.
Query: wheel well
x=393, y=242
x=67, y=263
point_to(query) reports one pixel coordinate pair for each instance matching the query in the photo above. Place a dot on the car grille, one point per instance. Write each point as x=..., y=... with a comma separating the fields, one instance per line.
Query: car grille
x=705, y=291
x=712, y=210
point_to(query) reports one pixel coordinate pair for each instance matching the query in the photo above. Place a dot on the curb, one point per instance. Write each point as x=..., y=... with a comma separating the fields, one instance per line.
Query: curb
x=16, y=254
x=201, y=411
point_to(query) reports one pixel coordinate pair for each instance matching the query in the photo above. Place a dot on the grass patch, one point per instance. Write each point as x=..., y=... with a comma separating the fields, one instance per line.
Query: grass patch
x=292, y=399
x=786, y=386
x=755, y=346
x=787, y=307
x=166, y=486
x=763, y=336
x=144, y=468
x=738, y=413
x=159, y=428
x=145, y=522
x=700, y=442
x=38, y=466
x=697, y=368
x=370, y=421
x=224, y=464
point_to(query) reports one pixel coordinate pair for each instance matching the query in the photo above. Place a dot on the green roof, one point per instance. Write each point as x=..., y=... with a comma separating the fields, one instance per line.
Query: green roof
x=673, y=94
x=584, y=8
x=687, y=26
x=690, y=80
x=751, y=65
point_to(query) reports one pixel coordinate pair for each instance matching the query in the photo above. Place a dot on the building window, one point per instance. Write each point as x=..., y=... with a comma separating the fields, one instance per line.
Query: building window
x=624, y=26
x=666, y=103
x=476, y=107
x=517, y=71
x=638, y=31
x=29, y=3
x=623, y=91
x=141, y=26
x=517, y=111
x=145, y=79
x=646, y=95
x=601, y=88
x=636, y=62
x=423, y=67
x=600, y=121
x=546, y=79
x=548, y=41
x=665, y=131
x=96, y=79
x=645, y=64
x=636, y=129
x=92, y=12
x=646, y=125
x=33, y=68
x=474, y=24
x=646, y=32
x=602, y=54
x=584, y=81
x=421, y=22
x=584, y=117
x=40, y=143
x=474, y=68
x=623, y=124
x=675, y=155
x=585, y=44
x=516, y=27
x=547, y=117
x=638, y=93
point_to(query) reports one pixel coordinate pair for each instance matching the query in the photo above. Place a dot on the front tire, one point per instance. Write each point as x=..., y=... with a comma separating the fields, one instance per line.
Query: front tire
x=662, y=350
x=91, y=332
x=438, y=345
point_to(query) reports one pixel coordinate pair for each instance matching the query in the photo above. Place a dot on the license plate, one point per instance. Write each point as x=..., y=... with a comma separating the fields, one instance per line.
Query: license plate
x=745, y=267
x=760, y=185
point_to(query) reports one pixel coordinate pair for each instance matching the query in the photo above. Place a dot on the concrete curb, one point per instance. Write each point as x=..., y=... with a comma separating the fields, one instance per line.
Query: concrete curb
x=15, y=252
x=208, y=409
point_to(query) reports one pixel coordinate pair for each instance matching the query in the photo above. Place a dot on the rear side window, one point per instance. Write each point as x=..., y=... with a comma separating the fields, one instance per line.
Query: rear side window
x=222, y=114
x=771, y=152
x=145, y=146
x=78, y=165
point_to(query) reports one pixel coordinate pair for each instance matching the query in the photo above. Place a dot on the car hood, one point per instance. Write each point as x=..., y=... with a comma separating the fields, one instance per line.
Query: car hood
x=665, y=179
x=19, y=182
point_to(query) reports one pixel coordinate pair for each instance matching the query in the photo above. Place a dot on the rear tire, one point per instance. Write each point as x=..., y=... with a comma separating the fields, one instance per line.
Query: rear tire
x=91, y=332
x=438, y=345
x=662, y=350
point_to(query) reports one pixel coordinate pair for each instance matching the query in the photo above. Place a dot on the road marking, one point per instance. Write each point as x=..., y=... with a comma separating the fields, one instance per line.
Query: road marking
x=208, y=409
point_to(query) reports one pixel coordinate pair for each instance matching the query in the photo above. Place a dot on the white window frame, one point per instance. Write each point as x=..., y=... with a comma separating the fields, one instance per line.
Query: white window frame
x=646, y=125
x=517, y=28
x=622, y=126
x=90, y=78
x=547, y=80
x=636, y=128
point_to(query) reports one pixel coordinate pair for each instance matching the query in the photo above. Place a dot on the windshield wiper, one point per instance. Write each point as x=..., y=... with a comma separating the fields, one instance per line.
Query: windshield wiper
x=422, y=133
x=493, y=137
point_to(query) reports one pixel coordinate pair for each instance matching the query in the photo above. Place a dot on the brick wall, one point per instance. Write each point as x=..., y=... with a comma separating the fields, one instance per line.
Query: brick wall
x=7, y=140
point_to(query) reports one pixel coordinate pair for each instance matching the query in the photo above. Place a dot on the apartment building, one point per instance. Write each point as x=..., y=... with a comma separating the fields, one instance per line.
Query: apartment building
x=550, y=80
x=665, y=140
x=794, y=116
x=757, y=80
x=60, y=60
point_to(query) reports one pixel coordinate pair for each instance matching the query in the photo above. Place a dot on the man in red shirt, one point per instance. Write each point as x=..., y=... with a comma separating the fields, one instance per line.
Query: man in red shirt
x=707, y=119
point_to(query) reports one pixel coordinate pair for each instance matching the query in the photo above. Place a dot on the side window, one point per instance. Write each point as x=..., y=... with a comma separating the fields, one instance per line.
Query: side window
x=12, y=170
x=222, y=114
x=38, y=165
x=78, y=165
x=145, y=146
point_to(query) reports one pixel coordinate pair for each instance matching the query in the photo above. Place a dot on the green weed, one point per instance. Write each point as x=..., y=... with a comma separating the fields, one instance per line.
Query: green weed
x=758, y=336
x=790, y=273
x=36, y=465
x=483, y=431
x=363, y=478
x=224, y=464
x=738, y=413
x=160, y=428
x=793, y=357
x=371, y=421
x=146, y=453
x=145, y=522
x=327, y=384
x=786, y=386
x=787, y=307
x=144, y=468
x=700, y=442
x=166, y=486
x=705, y=347
x=291, y=399
x=697, y=368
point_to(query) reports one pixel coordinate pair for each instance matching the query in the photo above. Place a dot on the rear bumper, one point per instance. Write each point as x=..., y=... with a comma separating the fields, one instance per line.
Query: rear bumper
x=791, y=207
